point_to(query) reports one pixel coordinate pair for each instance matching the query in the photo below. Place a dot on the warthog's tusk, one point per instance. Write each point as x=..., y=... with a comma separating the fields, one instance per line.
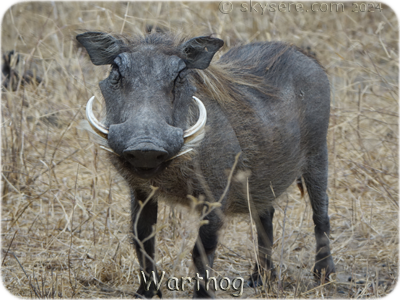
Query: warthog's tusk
x=201, y=122
x=181, y=153
x=99, y=128
x=103, y=130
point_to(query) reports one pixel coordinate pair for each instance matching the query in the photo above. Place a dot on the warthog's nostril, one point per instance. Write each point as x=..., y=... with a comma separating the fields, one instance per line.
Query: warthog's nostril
x=129, y=156
x=145, y=156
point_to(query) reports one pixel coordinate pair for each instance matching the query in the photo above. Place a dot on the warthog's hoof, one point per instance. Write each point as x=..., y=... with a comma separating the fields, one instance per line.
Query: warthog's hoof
x=324, y=267
x=256, y=279
x=142, y=293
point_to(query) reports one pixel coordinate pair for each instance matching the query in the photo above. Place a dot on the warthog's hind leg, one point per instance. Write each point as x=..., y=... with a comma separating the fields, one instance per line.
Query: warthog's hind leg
x=315, y=178
x=265, y=267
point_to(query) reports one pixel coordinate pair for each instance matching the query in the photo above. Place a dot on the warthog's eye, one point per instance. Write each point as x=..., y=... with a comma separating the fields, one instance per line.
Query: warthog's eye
x=179, y=80
x=181, y=77
x=115, y=74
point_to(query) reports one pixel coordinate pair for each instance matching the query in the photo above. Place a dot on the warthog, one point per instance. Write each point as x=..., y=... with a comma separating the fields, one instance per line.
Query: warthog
x=177, y=123
x=9, y=77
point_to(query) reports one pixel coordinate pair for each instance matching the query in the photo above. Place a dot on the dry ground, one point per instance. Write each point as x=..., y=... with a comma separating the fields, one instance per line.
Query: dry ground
x=65, y=212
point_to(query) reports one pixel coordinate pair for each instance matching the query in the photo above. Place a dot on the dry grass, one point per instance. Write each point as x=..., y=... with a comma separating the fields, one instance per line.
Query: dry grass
x=65, y=213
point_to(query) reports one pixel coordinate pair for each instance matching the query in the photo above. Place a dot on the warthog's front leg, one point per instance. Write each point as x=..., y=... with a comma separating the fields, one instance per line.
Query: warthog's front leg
x=143, y=220
x=315, y=178
x=265, y=242
x=203, y=252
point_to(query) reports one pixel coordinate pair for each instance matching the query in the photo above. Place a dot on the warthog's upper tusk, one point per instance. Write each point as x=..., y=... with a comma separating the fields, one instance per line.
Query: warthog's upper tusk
x=103, y=130
x=201, y=122
x=96, y=125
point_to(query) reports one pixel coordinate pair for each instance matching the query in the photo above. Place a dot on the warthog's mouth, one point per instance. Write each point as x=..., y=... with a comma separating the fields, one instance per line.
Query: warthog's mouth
x=192, y=136
x=148, y=172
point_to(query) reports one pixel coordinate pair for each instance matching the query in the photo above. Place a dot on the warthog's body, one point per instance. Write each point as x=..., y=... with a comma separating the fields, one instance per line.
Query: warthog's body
x=268, y=101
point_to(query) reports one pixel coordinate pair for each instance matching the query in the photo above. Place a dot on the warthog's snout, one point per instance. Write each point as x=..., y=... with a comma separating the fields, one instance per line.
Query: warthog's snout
x=145, y=155
x=145, y=147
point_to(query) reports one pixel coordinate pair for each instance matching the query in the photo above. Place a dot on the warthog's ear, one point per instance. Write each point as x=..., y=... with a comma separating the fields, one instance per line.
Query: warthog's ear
x=199, y=51
x=102, y=47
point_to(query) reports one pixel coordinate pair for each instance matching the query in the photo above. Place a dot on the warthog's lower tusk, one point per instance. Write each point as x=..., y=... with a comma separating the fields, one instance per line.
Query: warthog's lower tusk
x=103, y=130
x=99, y=128
x=181, y=153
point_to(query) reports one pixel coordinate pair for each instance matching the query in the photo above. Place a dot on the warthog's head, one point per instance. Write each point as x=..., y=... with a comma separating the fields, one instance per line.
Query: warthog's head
x=148, y=96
